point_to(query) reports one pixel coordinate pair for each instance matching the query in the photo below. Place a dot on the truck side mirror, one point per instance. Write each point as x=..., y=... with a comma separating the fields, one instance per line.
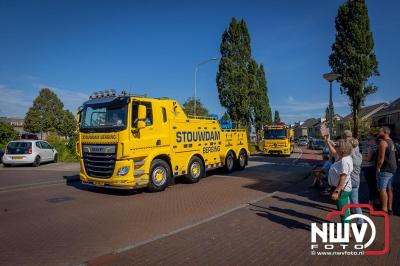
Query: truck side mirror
x=142, y=114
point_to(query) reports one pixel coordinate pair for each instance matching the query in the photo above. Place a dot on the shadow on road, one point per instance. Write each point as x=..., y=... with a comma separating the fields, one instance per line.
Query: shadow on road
x=307, y=203
x=289, y=223
x=312, y=199
x=286, y=160
x=74, y=181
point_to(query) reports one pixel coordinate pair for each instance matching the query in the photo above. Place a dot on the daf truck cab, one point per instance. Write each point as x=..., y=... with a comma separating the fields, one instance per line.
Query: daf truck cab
x=278, y=140
x=131, y=141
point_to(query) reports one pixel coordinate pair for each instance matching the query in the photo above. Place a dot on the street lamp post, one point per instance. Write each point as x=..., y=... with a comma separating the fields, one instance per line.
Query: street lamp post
x=41, y=126
x=331, y=77
x=195, y=79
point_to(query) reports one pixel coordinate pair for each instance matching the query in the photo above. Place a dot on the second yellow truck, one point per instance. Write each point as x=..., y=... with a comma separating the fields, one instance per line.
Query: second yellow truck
x=278, y=140
x=131, y=141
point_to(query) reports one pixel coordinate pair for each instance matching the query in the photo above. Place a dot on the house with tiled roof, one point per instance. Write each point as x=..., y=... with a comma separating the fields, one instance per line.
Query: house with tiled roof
x=365, y=116
x=301, y=128
x=390, y=117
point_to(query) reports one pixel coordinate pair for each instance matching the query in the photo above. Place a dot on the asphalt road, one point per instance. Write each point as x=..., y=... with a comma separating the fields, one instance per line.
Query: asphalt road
x=47, y=217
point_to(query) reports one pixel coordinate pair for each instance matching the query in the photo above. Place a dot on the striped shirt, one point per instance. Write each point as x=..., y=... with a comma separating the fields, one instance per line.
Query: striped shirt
x=374, y=149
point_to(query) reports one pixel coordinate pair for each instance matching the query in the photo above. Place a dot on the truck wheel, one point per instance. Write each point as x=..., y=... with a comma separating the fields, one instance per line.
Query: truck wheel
x=36, y=162
x=229, y=162
x=160, y=174
x=195, y=170
x=241, y=161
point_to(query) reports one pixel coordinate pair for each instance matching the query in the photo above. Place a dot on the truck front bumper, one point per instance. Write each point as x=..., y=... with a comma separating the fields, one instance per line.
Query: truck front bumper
x=272, y=151
x=126, y=181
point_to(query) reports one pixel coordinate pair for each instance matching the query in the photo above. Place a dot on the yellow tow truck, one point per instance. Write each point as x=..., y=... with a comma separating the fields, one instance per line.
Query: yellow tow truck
x=131, y=141
x=278, y=140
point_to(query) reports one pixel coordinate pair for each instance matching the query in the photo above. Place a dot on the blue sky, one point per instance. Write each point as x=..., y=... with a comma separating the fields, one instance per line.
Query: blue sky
x=152, y=47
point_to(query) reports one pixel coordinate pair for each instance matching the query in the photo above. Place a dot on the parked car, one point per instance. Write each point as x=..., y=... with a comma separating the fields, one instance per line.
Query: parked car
x=303, y=142
x=32, y=152
x=1, y=156
x=317, y=144
x=309, y=144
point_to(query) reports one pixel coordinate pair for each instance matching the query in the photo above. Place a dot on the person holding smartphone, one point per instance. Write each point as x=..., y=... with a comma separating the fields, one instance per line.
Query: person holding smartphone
x=339, y=176
x=356, y=159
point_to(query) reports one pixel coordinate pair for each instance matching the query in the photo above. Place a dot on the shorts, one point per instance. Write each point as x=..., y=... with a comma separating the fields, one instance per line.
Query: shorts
x=384, y=181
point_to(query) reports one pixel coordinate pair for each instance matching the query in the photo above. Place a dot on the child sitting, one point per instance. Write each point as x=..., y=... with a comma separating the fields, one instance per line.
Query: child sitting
x=321, y=175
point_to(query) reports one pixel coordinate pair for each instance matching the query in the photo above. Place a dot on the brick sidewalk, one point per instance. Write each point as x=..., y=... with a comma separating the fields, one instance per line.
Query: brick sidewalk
x=274, y=231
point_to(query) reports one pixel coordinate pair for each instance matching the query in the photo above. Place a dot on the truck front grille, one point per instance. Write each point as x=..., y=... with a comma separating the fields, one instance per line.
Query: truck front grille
x=99, y=163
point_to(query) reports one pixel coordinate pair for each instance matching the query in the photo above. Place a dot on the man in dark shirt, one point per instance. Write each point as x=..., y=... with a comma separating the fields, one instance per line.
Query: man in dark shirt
x=386, y=167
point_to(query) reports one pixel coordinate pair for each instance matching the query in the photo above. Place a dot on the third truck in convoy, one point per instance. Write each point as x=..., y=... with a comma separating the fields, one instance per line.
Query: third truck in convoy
x=130, y=141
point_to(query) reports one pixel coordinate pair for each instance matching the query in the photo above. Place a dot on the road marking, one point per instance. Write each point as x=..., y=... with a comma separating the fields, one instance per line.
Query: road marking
x=29, y=186
x=57, y=167
x=189, y=226
x=34, y=185
x=301, y=154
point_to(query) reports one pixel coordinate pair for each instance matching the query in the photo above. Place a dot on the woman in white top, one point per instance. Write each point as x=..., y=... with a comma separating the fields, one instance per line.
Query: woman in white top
x=339, y=176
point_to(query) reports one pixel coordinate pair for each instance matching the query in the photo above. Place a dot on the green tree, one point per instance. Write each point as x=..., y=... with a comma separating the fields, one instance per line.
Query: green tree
x=188, y=107
x=365, y=128
x=47, y=115
x=69, y=125
x=260, y=101
x=7, y=133
x=277, y=118
x=353, y=56
x=232, y=77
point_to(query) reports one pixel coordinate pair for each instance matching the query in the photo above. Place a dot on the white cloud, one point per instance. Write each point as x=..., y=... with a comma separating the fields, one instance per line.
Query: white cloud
x=293, y=105
x=292, y=110
x=16, y=102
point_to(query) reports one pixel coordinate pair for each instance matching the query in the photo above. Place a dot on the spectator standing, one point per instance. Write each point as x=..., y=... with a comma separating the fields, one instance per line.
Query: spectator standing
x=356, y=169
x=368, y=166
x=386, y=167
x=339, y=176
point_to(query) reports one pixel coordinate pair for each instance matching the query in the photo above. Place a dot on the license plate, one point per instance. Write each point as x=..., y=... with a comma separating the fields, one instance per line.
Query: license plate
x=17, y=157
x=96, y=183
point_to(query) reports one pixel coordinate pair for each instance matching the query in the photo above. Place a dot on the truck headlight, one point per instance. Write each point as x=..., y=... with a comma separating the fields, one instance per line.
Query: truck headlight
x=123, y=171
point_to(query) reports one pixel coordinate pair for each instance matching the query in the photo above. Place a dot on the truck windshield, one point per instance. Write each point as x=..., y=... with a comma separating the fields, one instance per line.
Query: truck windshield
x=275, y=134
x=104, y=118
